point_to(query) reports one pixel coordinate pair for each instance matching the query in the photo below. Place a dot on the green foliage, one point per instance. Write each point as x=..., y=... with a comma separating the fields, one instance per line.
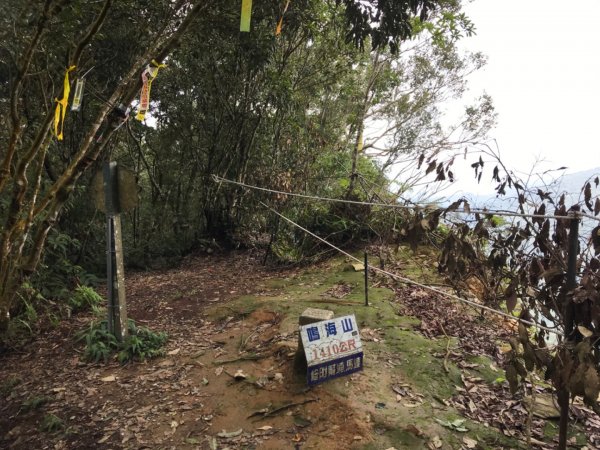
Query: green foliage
x=84, y=298
x=52, y=293
x=33, y=312
x=286, y=250
x=26, y=322
x=44, y=298
x=7, y=386
x=339, y=223
x=34, y=403
x=446, y=28
x=29, y=317
x=497, y=221
x=51, y=423
x=99, y=343
x=56, y=280
x=393, y=23
x=297, y=104
x=139, y=344
x=311, y=91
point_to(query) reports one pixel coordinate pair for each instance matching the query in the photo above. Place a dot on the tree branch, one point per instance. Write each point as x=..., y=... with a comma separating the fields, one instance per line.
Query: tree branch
x=15, y=120
x=94, y=28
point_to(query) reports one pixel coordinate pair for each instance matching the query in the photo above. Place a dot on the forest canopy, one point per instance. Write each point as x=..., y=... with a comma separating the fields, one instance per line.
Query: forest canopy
x=289, y=109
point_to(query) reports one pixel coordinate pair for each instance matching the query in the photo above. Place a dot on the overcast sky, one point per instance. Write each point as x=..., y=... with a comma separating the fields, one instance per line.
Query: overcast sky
x=543, y=74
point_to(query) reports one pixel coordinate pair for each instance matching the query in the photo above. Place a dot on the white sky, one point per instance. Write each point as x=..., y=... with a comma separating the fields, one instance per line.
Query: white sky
x=543, y=74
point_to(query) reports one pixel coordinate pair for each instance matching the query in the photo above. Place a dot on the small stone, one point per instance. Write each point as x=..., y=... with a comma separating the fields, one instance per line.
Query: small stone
x=166, y=363
x=470, y=443
x=15, y=431
x=312, y=315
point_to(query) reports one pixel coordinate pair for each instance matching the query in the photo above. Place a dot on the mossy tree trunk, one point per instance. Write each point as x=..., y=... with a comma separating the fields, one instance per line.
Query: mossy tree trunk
x=32, y=200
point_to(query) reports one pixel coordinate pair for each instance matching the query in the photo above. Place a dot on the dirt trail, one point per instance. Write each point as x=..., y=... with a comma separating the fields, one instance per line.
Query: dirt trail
x=188, y=398
x=227, y=315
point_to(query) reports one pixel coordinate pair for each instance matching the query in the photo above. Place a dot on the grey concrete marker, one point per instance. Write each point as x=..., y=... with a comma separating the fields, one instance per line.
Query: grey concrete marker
x=310, y=315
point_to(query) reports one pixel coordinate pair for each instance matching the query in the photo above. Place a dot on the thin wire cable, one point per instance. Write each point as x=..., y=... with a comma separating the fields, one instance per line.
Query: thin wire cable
x=589, y=216
x=415, y=283
x=98, y=96
x=572, y=215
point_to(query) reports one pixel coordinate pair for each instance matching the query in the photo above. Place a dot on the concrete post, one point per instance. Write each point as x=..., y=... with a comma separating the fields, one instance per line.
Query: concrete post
x=310, y=315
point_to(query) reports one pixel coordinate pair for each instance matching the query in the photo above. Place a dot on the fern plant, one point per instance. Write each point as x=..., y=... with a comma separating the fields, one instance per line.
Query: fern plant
x=139, y=344
x=51, y=423
x=84, y=298
x=100, y=344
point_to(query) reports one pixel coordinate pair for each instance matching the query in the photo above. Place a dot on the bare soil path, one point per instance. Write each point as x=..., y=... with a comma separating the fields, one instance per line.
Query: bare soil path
x=428, y=380
x=189, y=398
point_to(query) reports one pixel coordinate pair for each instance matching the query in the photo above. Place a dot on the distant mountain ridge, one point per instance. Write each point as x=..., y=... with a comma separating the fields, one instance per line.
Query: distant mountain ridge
x=570, y=184
x=573, y=183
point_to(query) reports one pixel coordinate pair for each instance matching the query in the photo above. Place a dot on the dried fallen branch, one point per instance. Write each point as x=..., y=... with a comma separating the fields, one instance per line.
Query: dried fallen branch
x=264, y=413
x=337, y=302
x=447, y=349
x=252, y=357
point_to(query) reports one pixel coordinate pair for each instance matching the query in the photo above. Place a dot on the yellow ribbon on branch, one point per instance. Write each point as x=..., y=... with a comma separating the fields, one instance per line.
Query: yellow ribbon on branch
x=61, y=106
x=148, y=75
x=246, y=15
x=280, y=23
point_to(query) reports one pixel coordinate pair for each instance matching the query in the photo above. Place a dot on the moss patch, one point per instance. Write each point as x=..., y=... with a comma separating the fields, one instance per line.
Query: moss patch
x=395, y=354
x=294, y=294
x=575, y=431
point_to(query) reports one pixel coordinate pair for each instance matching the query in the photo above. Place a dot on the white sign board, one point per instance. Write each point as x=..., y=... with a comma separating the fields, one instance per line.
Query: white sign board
x=332, y=348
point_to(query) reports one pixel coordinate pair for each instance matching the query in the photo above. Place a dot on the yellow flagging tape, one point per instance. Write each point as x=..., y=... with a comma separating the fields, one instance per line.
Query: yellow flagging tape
x=61, y=106
x=246, y=15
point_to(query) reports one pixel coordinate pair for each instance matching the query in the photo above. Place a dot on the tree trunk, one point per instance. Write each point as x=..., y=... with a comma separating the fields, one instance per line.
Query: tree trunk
x=29, y=208
x=358, y=146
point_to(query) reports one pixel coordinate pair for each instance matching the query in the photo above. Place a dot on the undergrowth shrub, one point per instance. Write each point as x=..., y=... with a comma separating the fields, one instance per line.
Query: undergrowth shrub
x=27, y=317
x=336, y=225
x=99, y=343
x=35, y=313
x=57, y=280
x=58, y=288
x=33, y=403
x=141, y=343
x=84, y=298
x=7, y=386
x=51, y=423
